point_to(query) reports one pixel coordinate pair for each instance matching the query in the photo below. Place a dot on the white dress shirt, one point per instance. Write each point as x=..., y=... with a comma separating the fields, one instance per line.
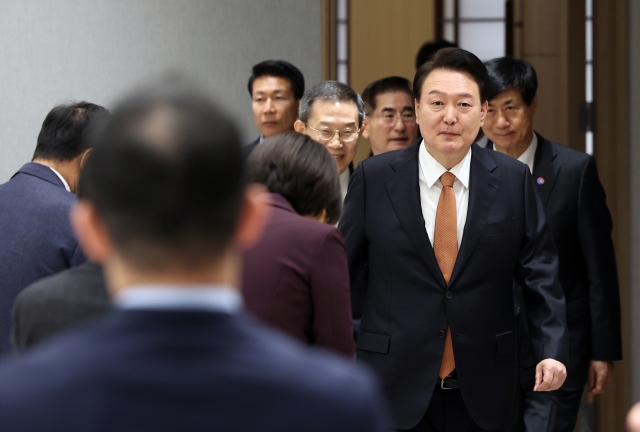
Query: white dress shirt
x=529, y=155
x=64, y=182
x=344, y=182
x=430, y=188
x=214, y=298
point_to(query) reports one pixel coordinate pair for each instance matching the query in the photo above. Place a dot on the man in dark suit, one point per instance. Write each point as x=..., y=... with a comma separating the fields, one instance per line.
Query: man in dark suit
x=176, y=354
x=435, y=235
x=55, y=303
x=276, y=87
x=574, y=203
x=37, y=239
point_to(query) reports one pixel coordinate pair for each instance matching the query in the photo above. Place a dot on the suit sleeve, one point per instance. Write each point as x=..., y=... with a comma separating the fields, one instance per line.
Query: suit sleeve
x=352, y=227
x=537, y=273
x=332, y=325
x=594, y=231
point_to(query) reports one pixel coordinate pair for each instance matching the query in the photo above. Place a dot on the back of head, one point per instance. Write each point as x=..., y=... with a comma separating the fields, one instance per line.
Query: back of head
x=281, y=69
x=429, y=49
x=333, y=91
x=63, y=135
x=506, y=73
x=301, y=170
x=382, y=86
x=166, y=177
x=455, y=60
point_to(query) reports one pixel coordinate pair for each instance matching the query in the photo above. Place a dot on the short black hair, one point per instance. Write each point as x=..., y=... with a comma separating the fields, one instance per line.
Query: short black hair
x=330, y=90
x=507, y=73
x=282, y=69
x=458, y=60
x=429, y=49
x=64, y=132
x=301, y=170
x=166, y=176
x=382, y=86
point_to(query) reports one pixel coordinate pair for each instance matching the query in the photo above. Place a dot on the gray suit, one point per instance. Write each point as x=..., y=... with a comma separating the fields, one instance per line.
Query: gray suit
x=57, y=302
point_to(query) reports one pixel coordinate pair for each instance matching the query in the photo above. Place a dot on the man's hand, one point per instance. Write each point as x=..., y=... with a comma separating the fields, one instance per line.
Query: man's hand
x=633, y=418
x=550, y=375
x=600, y=373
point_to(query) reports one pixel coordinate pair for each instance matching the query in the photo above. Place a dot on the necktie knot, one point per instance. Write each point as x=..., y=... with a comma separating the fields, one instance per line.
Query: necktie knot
x=447, y=179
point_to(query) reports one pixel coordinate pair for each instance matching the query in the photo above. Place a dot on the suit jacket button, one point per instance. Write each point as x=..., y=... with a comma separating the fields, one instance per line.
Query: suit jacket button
x=448, y=295
x=441, y=334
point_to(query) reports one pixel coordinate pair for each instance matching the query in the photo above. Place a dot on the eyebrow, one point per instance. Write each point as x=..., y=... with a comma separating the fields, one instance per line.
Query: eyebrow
x=404, y=108
x=438, y=92
x=324, y=123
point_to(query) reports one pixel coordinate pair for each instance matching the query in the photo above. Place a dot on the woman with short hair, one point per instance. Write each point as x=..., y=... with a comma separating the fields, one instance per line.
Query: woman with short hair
x=296, y=277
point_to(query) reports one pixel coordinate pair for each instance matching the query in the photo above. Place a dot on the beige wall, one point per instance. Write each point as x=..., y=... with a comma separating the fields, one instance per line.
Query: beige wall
x=384, y=37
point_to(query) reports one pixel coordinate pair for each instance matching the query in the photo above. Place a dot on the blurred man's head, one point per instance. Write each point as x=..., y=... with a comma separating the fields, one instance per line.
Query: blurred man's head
x=164, y=190
x=390, y=123
x=429, y=50
x=332, y=113
x=451, y=95
x=63, y=142
x=276, y=87
x=512, y=104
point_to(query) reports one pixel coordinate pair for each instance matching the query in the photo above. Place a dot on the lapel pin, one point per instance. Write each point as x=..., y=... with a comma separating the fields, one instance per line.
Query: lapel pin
x=540, y=180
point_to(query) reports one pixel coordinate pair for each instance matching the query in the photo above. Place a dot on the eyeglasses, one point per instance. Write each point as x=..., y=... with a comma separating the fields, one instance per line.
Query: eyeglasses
x=389, y=117
x=327, y=135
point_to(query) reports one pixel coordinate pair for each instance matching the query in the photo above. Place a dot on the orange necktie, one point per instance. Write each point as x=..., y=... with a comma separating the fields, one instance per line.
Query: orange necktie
x=445, y=246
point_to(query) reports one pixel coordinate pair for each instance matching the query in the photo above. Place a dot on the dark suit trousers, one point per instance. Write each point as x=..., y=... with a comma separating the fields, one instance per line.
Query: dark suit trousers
x=447, y=413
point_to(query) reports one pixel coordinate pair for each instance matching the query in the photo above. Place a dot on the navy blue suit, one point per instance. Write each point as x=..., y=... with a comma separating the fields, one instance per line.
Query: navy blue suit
x=405, y=306
x=145, y=370
x=575, y=206
x=37, y=239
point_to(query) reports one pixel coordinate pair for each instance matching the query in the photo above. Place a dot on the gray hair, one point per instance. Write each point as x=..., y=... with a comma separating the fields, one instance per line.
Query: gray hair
x=330, y=91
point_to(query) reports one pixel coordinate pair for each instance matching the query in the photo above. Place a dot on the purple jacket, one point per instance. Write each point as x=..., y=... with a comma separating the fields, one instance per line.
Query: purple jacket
x=296, y=279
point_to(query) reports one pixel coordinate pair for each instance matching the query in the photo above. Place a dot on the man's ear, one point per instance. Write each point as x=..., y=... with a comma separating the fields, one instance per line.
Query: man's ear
x=483, y=112
x=417, y=105
x=84, y=157
x=299, y=126
x=253, y=216
x=91, y=232
x=364, y=131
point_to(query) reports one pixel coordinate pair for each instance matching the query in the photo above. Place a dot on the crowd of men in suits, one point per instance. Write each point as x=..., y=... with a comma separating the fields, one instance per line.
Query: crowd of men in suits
x=484, y=289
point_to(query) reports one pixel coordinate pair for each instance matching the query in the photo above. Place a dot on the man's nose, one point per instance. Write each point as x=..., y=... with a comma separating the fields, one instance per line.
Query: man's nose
x=269, y=106
x=502, y=121
x=398, y=123
x=335, y=142
x=450, y=116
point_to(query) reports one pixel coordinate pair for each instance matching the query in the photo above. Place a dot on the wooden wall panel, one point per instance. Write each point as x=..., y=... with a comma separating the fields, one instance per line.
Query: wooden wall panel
x=384, y=38
x=612, y=153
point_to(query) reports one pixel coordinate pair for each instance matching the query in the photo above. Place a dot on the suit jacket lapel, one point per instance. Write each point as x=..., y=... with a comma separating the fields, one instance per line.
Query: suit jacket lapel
x=483, y=187
x=404, y=193
x=545, y=171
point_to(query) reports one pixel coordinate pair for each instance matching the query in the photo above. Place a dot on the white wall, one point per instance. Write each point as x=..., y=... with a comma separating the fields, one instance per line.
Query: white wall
x=634, y=121
x=97, y=50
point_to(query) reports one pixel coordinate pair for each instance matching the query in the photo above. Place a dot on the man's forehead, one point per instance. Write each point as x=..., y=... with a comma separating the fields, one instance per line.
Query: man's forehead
x=327, y=110
x=451, y=82
x=386, y=99
x=271, y=83
x=507, y=97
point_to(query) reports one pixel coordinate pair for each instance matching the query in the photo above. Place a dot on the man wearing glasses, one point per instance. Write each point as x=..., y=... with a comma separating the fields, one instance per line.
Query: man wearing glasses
x=332, y=113
x=390, y=123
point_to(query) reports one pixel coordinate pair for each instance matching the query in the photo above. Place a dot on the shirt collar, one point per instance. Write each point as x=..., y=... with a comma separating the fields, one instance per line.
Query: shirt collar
x=433, y=170
x=215, y=298
x=529, y=155
x=64, y=182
